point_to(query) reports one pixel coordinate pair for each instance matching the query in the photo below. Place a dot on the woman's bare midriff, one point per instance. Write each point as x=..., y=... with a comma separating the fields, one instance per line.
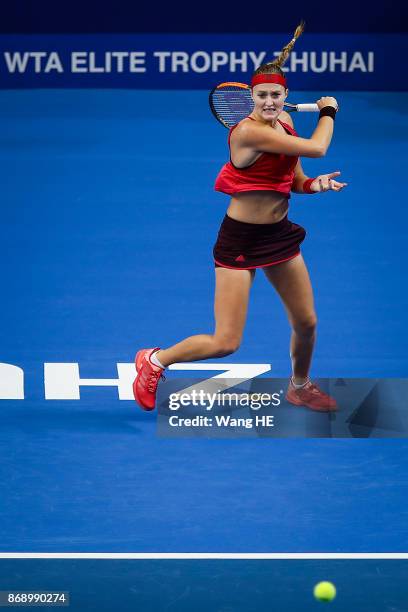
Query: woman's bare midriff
x=258, y=206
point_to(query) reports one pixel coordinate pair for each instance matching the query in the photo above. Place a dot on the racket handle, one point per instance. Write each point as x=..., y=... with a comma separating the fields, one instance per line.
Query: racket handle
x=307, y=108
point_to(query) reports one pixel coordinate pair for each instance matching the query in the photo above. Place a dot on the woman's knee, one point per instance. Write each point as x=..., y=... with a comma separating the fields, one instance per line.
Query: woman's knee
x=226, y=345
x=306, y=325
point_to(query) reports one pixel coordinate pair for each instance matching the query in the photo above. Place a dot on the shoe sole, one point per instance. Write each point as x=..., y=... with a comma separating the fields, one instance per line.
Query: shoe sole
x=138, y=361
x=322, y=409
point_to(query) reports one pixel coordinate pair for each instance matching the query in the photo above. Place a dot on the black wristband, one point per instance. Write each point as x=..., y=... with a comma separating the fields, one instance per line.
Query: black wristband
x=328, y=111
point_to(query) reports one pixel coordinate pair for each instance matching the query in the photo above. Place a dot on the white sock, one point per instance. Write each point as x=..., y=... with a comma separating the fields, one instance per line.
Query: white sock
x=155, y=361
x=299, y=386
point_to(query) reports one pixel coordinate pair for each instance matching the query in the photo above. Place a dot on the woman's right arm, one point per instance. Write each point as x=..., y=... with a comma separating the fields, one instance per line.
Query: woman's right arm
x=261, y=138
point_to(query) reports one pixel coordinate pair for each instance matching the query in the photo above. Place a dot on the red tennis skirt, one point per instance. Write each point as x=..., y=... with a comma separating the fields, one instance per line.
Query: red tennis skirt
x=244, y=246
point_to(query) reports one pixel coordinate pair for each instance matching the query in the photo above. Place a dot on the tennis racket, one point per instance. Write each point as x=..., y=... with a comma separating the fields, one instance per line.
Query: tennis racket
x=232, y=102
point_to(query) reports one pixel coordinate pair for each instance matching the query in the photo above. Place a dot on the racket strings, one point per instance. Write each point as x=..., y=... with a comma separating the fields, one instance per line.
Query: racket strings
x=232, y=104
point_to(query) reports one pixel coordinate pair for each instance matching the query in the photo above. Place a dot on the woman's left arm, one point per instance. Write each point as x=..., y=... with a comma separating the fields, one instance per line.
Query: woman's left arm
x=323, y=182
x=299, y=178
x=304, y=184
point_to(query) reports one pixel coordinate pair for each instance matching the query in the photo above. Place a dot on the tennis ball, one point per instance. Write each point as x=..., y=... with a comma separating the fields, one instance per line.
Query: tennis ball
x=324, y=591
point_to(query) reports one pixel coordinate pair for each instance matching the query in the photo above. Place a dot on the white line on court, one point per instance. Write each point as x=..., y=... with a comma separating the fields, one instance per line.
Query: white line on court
x=209, y=555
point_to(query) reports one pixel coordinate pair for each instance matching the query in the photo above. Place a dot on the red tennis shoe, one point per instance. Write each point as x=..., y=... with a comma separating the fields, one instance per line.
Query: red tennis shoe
x=311, y=396
x=147, y=378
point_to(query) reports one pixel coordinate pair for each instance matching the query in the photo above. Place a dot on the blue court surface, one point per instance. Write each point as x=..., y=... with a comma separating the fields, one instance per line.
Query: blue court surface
x=108, y=221
x=216, y=585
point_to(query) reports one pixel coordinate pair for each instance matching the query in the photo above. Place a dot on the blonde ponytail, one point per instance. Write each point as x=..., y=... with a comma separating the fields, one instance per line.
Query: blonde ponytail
x=284, y=54
x=276, y=65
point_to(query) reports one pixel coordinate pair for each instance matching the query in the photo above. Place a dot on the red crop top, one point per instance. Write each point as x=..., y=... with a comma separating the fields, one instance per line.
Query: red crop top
x=270, y=172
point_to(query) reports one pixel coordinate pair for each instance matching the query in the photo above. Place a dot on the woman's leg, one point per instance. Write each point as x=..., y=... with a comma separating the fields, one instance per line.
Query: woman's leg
x=230, y=309
x=291, y=280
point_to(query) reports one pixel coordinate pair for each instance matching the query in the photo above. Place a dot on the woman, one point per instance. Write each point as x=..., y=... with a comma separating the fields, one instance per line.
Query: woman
x=256, y=233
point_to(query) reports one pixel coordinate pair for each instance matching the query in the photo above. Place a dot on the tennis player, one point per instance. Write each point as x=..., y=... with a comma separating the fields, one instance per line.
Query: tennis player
x=264, y=168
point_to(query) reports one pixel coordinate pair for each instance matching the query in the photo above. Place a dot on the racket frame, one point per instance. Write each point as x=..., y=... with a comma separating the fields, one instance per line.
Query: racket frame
x=289, y=107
